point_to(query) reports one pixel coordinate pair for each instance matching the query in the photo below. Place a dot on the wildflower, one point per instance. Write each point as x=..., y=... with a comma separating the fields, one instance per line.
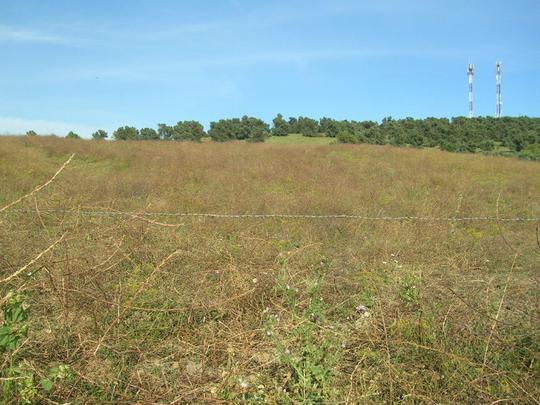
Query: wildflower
x=243, y=383
x=384, y=262
x=361, y=308
x=268, y=333
x=255, y=281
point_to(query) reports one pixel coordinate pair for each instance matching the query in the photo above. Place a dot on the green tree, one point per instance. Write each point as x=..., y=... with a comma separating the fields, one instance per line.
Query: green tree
x=280, y=126
x=188, y=131
x=126, y=133
x=293, y=125
x=253, y=129
x=165, y=132
x=307, y=126
x=246, y=128
x=31, y=133
x=100, y=134
x=329, y=126
x=223, y=130
x=72, y=135
x=148, y=134
x=258, y=134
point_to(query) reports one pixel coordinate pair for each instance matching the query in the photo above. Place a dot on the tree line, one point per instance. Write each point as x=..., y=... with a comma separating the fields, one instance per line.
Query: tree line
x=506, y=135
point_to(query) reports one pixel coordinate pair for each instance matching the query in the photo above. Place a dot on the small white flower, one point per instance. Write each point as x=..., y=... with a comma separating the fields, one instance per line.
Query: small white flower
x=255, y=281
x=361, y=308
x=243, y=383
x=384, y=262
x=29, y=273
x=268, y=333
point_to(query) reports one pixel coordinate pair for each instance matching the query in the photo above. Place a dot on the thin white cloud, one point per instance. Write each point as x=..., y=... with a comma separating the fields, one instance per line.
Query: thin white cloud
x=19, y=126
x=13, y=34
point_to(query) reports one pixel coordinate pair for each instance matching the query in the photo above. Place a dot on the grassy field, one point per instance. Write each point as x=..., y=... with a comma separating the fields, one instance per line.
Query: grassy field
x=162, y=309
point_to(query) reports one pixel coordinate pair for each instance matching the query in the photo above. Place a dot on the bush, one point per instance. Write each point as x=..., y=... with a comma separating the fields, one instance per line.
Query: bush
x=346, y=137
x=531, y=152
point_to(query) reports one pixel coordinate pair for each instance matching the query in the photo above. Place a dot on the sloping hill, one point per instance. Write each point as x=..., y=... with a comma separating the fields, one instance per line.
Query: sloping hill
x=400, y=302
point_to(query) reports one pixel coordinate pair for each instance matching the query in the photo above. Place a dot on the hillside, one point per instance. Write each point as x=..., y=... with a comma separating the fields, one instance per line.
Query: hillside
x=401, y=303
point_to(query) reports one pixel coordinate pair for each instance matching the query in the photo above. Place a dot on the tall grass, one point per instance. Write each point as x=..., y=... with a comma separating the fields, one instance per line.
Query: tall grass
x=275, y=310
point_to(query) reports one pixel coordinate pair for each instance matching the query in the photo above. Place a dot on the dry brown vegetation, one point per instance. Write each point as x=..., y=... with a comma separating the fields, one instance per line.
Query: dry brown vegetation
x=272, y=310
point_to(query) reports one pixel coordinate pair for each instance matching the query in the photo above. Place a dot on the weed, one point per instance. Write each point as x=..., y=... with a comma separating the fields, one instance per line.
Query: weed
x=18, y=380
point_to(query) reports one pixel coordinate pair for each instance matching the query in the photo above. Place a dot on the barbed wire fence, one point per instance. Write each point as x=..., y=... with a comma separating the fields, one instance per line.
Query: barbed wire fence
x=103, y=213
x=110, y=213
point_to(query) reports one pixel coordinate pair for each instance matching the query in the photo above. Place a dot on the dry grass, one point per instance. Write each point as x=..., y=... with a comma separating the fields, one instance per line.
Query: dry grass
x=218, y=310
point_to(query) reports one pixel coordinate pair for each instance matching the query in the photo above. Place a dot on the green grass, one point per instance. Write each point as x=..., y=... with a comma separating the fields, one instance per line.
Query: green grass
x=299, y=139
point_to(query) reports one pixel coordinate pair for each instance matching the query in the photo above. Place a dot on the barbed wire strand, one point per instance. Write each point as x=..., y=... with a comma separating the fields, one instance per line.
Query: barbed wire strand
x=97, y=213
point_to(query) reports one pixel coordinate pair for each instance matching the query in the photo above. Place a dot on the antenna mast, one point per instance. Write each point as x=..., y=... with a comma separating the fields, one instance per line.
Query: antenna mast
x=470, y=74
x=498, y=112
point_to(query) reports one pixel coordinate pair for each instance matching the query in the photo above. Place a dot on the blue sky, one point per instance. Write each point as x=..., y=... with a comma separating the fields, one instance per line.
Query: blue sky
x=84, y=65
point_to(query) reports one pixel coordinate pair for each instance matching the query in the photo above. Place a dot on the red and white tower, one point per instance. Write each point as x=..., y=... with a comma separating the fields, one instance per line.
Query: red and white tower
x=470, y=74
x=498, y=112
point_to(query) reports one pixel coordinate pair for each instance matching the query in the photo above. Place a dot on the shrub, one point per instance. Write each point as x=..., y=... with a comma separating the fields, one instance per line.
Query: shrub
x=346, y=137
